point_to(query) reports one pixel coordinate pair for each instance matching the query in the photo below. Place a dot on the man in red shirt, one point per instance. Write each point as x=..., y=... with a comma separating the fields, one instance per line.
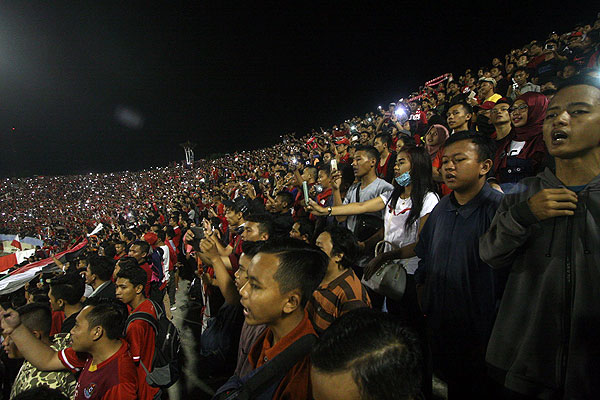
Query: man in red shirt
x=281, y=280
x=140, y=250
x=140, y=335
x=387, y=158
x=173, y=221
x=120, y=247
x=98, y=352
x=342, y=151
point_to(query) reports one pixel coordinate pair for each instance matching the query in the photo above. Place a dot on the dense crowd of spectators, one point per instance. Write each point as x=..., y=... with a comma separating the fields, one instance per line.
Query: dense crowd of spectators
x=480, y=190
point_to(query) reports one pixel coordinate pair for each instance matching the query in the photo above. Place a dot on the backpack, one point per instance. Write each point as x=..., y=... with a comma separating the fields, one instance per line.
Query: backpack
x=262, y=383
x=156, y=263
x=165, y=368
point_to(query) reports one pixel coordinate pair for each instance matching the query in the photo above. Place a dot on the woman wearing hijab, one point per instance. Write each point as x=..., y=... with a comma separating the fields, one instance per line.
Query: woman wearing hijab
x=524, y=153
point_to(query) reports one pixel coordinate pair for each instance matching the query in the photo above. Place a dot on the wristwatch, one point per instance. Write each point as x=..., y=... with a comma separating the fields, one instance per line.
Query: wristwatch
x=329, y=211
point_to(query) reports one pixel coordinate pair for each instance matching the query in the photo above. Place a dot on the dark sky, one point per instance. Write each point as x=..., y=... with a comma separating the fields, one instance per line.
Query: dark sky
x=227, y=75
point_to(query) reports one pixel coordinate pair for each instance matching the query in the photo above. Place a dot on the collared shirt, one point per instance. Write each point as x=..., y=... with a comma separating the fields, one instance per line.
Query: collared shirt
x=114, y=378
x=100, y=288
x=458, y=286
x=68, y=323
x=248, y=337
x=296, y=383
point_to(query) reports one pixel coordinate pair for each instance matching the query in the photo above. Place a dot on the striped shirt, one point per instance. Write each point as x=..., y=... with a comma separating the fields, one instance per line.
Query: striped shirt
x=332, y=300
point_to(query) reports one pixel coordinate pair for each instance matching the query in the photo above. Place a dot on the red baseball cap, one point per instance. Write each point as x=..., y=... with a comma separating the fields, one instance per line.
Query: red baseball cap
x=343, y=141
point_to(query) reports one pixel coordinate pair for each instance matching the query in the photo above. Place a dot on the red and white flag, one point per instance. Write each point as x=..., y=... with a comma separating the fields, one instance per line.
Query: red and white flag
x=17, y=257
x=10, y=282
x=16, y=243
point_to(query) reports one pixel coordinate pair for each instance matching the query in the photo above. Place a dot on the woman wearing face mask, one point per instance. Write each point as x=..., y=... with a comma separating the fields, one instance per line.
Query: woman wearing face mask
x=524, y=153
x=406, y=210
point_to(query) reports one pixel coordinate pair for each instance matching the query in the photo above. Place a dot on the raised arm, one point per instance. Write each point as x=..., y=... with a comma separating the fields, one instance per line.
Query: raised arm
x=372, y=205
x=224, y=281
x=37, y=353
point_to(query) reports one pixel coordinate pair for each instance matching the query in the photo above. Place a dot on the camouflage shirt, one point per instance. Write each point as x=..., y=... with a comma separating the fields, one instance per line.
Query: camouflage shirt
x=30, y=377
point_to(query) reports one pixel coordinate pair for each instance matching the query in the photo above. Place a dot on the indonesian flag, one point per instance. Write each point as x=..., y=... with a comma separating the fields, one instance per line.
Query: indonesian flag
x=16, y=243
x=10, y=282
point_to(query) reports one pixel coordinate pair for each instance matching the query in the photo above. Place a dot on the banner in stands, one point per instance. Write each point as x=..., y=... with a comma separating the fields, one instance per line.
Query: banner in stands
x=15, y=258
x=29, y=240
x=14, y=280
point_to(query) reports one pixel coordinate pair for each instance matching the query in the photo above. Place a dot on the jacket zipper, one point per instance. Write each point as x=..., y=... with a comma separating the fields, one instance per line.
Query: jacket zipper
x=569, y=279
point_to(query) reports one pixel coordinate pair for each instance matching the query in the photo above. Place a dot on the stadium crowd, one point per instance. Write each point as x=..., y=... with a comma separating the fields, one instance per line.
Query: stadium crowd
x=453, y=233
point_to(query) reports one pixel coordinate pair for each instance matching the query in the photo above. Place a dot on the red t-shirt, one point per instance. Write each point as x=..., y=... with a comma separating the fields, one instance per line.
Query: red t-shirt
x=57, y=320
x=177, y=237
x=141, y=338
x=437, y=164
x=382, y=169
x=114, y=378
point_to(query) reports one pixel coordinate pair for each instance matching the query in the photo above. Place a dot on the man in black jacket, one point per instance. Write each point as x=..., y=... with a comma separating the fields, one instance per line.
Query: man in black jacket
x=98, y=274
x=545, y=340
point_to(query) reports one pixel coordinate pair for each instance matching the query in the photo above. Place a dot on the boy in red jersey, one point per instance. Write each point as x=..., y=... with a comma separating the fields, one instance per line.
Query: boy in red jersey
x=140, y=335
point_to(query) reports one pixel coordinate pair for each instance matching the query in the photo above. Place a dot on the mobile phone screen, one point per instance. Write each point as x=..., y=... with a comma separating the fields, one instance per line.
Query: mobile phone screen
x=305, y=189
x=333, y=165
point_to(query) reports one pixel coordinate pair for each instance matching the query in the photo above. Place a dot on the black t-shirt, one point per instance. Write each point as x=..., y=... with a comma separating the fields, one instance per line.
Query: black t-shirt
x=69, y=323
x=546, y=70
x=282, y=224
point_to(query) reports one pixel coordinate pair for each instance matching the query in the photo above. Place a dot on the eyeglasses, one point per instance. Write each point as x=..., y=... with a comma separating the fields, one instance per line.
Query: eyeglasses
x=520, y=108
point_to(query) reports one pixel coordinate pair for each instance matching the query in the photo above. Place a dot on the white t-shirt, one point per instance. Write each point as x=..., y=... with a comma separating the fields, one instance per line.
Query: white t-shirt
x=394, y=221
x=165, y=262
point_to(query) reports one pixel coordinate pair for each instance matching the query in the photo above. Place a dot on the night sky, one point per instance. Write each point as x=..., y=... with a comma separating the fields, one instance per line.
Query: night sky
x=95, y=86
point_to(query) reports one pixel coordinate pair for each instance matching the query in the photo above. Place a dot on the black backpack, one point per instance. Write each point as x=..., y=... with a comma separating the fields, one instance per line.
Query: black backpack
x=165, y=368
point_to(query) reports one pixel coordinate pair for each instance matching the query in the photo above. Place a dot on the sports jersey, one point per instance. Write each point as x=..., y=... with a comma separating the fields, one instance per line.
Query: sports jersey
x=114, y=378
x=141, y=338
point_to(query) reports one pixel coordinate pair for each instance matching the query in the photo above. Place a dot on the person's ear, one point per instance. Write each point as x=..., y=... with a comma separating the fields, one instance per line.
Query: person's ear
x=293, y=302
x=469, y=116
x=337, y=258
x=97, y=332
x=139, y=289
x=37, y=334
x=486, y=166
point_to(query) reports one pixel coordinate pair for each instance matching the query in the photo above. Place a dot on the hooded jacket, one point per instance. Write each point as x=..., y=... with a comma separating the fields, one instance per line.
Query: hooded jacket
x=546, y=338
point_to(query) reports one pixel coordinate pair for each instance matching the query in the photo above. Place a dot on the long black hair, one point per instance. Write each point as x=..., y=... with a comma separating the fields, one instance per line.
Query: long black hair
x=421, y=182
